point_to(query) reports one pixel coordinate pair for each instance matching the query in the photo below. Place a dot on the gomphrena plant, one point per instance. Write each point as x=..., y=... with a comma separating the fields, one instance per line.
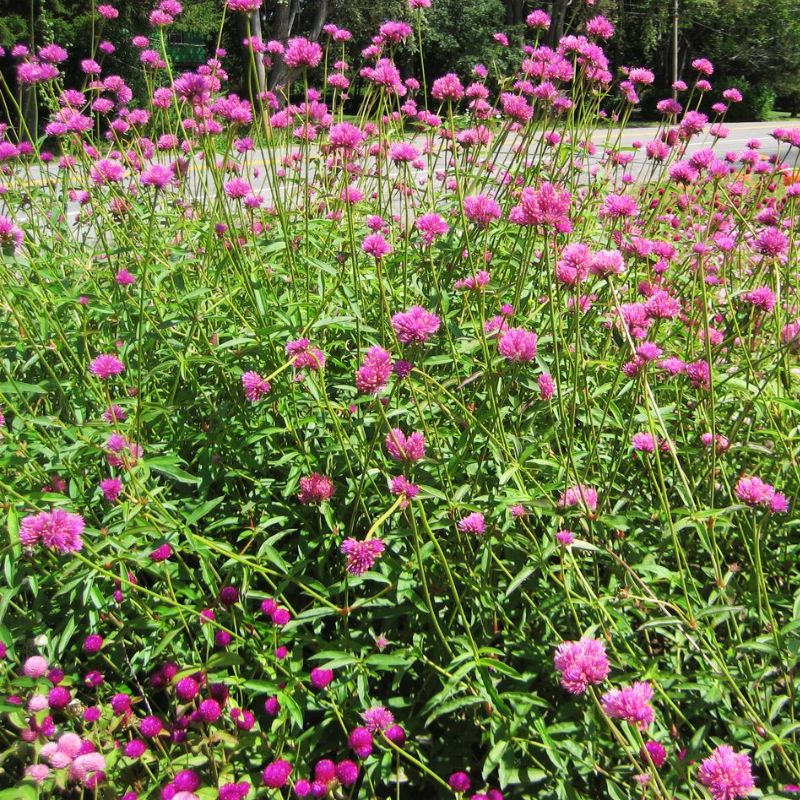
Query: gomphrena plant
x=447, y=448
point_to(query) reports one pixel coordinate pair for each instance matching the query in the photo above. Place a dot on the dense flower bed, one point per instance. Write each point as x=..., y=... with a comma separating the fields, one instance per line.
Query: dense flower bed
x=448, y=450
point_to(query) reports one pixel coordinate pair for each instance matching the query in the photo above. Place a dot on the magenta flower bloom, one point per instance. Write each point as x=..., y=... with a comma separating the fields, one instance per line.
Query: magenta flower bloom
x=448, y=87
x=459, y=782
x=772, y=242
x=161, y=553
x=546, y=207
x=58, y=529
x=347, y=772
x=643, y=442
x=376, y=246
x=305, y=356
x=405, y=448
x=243, y=6
x=415, y=326
x=481, y=209
x=579, y=495
x=431, y=226
x=106, y=366
x=600, y=27
x=315, y=488
x=754, y=492
x=255, y=387
x=581, y=664
x=631, y=703
x=360, y=742
x=157, y=176
x=400, y=485
x=473, y=523
x=10, y=234
x=762, y=298
x=362, y=554
x=377, y=718
x=538, y=19
x=346, y=136
x=656, y=751
x=125, y=278
x=300, y=52
x=547, y=386
x=727, y=774
x=35, y=667
x=320, y=678
x=517, y=345
x=374, y=371
x=111, y=488
x=276, y=774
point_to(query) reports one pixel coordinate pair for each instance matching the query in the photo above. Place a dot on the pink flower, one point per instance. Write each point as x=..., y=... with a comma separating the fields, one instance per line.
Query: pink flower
x=400, y=485
x=538, y=19
x=243, y=6
x=607, y=262
x=762, y=298
x=617, y=206
x=448, y=87
x=376, y=246
x=276, y=774
x=161, y=553
x=459, y=782
x=473, y=523
x=377, y=718
x=547, y=386
x=752, y=491
x=374, y=371
x=361, y=554
x=10, y=234
x=111, y=488
x=255, y=387
x=581, y=664
x=600, y=27
x=125, y=278
x=643, y=442
x=85, y=767
x=481, y=209
x=305, y=356
x=360, y=742
x=300, y=52
x=320, y=678
x=431, y=226
x=106, y=365
x=703, y=66
x=657, y=753
x=517, y=345
x=346, y=136
x=315, y=488
x=38, y=773
x=579, y=495
x=546, y=206
x=415, y=326
x=405, y=448
x=35, y=666
x=631, y=703
x=157, y=176
x=107, y=11
x=57, y=529
x=726, y=774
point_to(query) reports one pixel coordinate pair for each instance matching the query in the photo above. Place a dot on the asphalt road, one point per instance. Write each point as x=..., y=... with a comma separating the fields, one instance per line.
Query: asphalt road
x=739, y=134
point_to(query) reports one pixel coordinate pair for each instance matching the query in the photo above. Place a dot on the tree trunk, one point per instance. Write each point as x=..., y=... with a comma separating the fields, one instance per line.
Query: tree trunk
x=279, y=74
x=255, y=32
x=319, y=20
